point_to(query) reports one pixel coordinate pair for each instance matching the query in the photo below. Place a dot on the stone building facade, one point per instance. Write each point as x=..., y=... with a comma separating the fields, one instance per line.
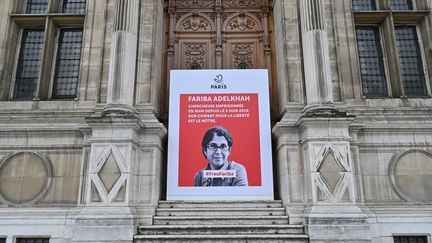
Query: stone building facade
x=83, y=111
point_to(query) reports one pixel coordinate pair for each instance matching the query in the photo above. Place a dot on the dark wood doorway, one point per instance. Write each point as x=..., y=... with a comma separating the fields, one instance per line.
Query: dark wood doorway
x=219, y=34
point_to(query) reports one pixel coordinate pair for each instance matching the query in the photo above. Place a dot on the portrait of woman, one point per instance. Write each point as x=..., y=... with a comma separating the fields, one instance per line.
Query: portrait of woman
x=216, y=147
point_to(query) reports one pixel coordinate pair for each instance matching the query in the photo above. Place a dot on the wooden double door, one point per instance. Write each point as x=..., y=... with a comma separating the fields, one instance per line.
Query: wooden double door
x=214, y=34
x=218, y=34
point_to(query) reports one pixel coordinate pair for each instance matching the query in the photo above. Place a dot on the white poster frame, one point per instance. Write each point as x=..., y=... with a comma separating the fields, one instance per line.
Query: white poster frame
x=220, y=81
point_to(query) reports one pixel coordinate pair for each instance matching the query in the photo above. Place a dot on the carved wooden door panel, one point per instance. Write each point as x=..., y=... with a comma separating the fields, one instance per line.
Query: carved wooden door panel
x=194, y=54
x=242, y=48
x=193, y=48
x=242, y=55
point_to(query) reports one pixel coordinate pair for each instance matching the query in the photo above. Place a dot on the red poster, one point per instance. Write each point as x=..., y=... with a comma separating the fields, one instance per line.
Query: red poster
x=237, y=113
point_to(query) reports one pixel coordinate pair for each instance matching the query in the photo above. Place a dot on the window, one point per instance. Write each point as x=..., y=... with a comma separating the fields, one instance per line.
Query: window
x=29, y=63
x=410, y=60
x=2, y=240
x=67, y=63
x=389, y=45
x=74, y=6
x=364, y=5
x=49, y=51
x=36, y=6
x=32, y=240
x=371, y=61
x=410, y=239
x=401, y=5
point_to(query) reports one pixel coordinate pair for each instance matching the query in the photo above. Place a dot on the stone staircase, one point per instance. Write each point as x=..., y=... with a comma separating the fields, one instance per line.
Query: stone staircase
x=221, y=221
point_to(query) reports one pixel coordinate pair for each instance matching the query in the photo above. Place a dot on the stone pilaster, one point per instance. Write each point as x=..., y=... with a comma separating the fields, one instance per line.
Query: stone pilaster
x=122, y=69
x=332, y=214
x=122, y=177
x=316, y=57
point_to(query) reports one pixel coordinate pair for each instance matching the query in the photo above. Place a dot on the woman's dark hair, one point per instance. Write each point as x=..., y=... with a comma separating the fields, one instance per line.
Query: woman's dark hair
x=219, y=131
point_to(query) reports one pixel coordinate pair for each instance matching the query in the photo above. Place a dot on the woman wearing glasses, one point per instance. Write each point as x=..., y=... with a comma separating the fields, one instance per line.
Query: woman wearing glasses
x=216, y=147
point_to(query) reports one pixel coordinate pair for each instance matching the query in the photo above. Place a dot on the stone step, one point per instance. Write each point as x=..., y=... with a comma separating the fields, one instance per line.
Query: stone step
x=243, y=238
x=220, y=229
x=219, y=211
x=219, y=220
x=221, y=204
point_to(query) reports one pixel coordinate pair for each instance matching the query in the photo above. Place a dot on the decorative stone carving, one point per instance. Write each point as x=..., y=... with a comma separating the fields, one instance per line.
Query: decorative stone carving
x=108, y=173
x=195, y=55
x=195, y=23
x=242, y=55
x=332, y=173
x=195, y=4
x=25, y=178
x=411, y=175
x=241, y=3
x=242, y=23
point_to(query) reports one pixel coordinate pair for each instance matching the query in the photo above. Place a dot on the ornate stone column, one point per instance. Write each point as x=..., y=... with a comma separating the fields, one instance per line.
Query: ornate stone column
x=122, y=69
x=316, y=55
